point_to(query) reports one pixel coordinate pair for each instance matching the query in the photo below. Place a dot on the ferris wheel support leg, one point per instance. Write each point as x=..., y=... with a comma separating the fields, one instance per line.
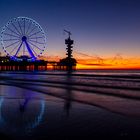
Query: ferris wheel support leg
x=18, y=49
x=29, y=50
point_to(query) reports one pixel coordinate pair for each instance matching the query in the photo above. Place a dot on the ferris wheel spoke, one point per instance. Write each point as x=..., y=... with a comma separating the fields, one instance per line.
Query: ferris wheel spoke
x=14, y=49
x=10, y=39
x=12, y=31
x=20, y=27
x=12, y=44
x=16, y=28
x=24, y=26
x=28, y=28
x=35, y=33
x=36, y=37
x=31, y=31
x=36, y=41
x=11, y=35
x=35, y=46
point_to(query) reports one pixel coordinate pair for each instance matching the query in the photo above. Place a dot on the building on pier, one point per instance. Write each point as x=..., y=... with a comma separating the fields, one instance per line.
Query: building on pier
x=68, y=63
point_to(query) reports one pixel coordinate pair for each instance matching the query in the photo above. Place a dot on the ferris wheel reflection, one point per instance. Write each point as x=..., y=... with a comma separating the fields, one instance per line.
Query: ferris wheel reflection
x=24, y=124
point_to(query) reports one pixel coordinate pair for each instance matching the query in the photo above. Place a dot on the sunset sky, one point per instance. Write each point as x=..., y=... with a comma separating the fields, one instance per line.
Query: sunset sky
x=106, y=32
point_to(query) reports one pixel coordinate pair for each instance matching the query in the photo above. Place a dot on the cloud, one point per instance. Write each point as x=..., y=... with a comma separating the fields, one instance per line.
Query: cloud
x=87, y=61
x=95, y=64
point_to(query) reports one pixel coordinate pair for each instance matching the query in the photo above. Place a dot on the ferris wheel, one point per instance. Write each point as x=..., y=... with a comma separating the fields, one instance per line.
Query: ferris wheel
x=23, y=36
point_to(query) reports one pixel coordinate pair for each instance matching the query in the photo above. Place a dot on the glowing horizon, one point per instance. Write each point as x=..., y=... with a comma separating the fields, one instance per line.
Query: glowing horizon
x=116, y=62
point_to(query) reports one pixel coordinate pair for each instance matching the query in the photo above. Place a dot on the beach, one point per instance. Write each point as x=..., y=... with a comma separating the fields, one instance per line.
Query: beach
x=65, y=105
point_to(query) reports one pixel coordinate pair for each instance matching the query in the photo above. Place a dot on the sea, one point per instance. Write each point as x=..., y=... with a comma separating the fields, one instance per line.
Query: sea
x=60, y=104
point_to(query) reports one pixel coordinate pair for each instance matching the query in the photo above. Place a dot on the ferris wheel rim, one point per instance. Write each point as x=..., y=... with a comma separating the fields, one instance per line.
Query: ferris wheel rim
x=18, y=34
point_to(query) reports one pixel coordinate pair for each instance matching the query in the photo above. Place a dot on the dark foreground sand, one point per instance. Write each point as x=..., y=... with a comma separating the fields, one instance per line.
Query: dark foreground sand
x=52, y=107
x=33, y=115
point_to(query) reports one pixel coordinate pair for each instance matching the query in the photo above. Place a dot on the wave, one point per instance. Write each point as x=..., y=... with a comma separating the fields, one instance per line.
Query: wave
x=114, y=94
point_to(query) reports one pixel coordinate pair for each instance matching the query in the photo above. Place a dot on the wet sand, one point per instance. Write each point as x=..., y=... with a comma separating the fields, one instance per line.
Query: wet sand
x=34, y=109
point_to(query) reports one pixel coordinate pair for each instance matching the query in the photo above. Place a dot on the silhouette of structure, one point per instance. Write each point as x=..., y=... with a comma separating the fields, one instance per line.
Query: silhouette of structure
x=68, y=63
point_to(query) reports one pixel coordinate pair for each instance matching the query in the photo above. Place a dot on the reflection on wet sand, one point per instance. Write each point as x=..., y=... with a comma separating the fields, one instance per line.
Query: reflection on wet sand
x=69, y=94
x=20, y=111
x=25, y=106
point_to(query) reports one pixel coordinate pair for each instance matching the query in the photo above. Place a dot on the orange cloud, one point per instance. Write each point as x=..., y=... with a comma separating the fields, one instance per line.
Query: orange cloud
x=109, y=63
x=86, y=61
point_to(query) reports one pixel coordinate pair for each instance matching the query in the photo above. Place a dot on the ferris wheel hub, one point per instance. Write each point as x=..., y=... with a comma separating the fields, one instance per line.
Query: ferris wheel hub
x=24, y=38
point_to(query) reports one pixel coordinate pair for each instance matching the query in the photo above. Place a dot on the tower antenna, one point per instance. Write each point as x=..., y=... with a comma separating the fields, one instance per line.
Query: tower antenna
x=68, y=32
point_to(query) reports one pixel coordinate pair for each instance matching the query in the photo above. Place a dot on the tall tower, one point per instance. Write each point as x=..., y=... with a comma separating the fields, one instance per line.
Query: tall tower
x=69, y=44
x=69, y=61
